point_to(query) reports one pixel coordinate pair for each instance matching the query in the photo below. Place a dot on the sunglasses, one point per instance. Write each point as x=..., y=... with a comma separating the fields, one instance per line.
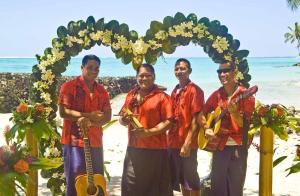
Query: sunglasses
x=226, y=70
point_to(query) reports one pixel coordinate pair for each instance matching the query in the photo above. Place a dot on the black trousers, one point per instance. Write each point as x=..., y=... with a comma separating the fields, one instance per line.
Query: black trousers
x=229, y=171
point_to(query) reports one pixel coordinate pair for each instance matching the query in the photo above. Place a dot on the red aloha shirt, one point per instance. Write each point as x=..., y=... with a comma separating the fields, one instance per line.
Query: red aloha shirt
x=246, y=106
x=155, y=108
x=186, y=102
x=75, y=95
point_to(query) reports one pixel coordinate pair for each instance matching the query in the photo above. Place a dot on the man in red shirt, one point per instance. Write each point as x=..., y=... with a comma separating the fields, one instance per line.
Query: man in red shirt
x=187, y=102
x=146, y=166
x=229, y=161
x=83, y=104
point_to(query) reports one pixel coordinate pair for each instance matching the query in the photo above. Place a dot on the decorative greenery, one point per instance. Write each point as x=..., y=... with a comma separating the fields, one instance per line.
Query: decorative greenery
x=276, y=117
x=52, y=149
x=280, y=120
x=15, y=163
x=30, y=117
x=296, y=166
x=161, y=38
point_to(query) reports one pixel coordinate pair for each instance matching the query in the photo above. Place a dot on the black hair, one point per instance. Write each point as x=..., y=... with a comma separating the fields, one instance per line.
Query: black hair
x=145, y=65
x=183, y=60
x=88, y=57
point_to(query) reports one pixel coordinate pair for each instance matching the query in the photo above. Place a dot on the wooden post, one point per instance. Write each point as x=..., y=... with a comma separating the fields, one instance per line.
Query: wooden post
x=266, y=161
x=32, y=184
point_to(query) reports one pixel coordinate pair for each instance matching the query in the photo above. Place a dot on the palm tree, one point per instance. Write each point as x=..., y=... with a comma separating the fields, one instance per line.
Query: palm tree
x=293, y=35
x=293, y=4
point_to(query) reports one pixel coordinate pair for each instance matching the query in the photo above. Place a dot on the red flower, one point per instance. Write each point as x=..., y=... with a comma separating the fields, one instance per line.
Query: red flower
x=23, y=107
x=280, y=111
x=263, y=110
x=40, y=108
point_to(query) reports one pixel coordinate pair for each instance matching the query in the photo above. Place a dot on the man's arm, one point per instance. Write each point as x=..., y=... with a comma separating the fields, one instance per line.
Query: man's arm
x=101, y=118
x=235, y=113
x=70, y=114
x=159, y=128
x=97, y=118
x=186, y=147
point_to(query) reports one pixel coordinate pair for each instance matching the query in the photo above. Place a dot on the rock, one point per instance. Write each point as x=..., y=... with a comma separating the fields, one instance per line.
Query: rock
x=14, y=87
x=297, y=64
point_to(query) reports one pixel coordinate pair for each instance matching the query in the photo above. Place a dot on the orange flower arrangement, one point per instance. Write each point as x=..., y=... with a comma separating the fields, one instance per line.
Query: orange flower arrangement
x=15, y=165
x=30, y=117
x=23, y=107
x=21, y=166
x=14, y=158
x=276, y=117
x=39, y=108
x=280, y=120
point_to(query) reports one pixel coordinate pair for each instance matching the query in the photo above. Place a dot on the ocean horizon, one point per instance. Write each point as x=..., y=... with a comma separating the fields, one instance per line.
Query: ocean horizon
x=277, y=79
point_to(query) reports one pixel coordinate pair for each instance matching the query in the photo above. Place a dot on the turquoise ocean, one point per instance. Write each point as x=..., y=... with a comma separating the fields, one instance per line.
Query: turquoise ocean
x=277, y=79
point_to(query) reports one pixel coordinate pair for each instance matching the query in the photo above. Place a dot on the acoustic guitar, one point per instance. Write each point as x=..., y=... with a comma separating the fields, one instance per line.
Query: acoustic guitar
x=89, y=184
x=213, y=121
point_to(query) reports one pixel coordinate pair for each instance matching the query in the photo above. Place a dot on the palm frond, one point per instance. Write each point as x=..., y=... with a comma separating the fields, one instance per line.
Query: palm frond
x=293, y=4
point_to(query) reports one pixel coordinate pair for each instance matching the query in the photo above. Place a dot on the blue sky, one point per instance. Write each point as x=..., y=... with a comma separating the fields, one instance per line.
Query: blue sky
x=27, y=27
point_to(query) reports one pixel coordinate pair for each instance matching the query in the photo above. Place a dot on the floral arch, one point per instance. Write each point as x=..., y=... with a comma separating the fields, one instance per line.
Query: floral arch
x=161, y=37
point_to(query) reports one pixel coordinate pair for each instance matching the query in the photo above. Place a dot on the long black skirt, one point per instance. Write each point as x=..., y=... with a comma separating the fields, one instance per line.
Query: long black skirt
x=146, y=173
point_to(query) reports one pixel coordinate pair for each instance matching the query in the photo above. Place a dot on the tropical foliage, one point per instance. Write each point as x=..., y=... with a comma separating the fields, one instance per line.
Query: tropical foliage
x=15, y=163
x=293, y=4
x=296, y=166
x=280, y=120
x=276, y=117
x=30, y=118
x=293, y=35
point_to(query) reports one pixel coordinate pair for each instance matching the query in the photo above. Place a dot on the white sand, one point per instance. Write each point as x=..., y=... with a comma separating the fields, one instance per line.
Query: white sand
x=115, y=142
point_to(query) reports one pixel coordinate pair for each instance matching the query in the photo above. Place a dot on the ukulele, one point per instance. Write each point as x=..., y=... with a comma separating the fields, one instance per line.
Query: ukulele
x=214, y=122
x=89, y=184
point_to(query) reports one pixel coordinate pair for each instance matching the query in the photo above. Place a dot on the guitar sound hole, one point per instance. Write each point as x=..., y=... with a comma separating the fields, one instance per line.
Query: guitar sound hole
x=92, y=190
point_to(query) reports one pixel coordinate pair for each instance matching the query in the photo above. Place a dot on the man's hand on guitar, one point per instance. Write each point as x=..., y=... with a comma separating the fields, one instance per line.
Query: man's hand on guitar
x=209, y=134
x=234, y=112
x=96, y=116
x=84, y=124
x=125, y=118
x=232, y=107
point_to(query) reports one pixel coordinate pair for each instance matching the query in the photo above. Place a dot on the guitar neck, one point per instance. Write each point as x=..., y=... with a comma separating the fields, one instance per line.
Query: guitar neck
x=88, y=160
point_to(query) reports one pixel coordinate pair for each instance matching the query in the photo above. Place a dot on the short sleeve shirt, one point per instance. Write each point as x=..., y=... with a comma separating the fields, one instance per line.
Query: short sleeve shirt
x=155, y=108
x=186, y=103
x=75, y=95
